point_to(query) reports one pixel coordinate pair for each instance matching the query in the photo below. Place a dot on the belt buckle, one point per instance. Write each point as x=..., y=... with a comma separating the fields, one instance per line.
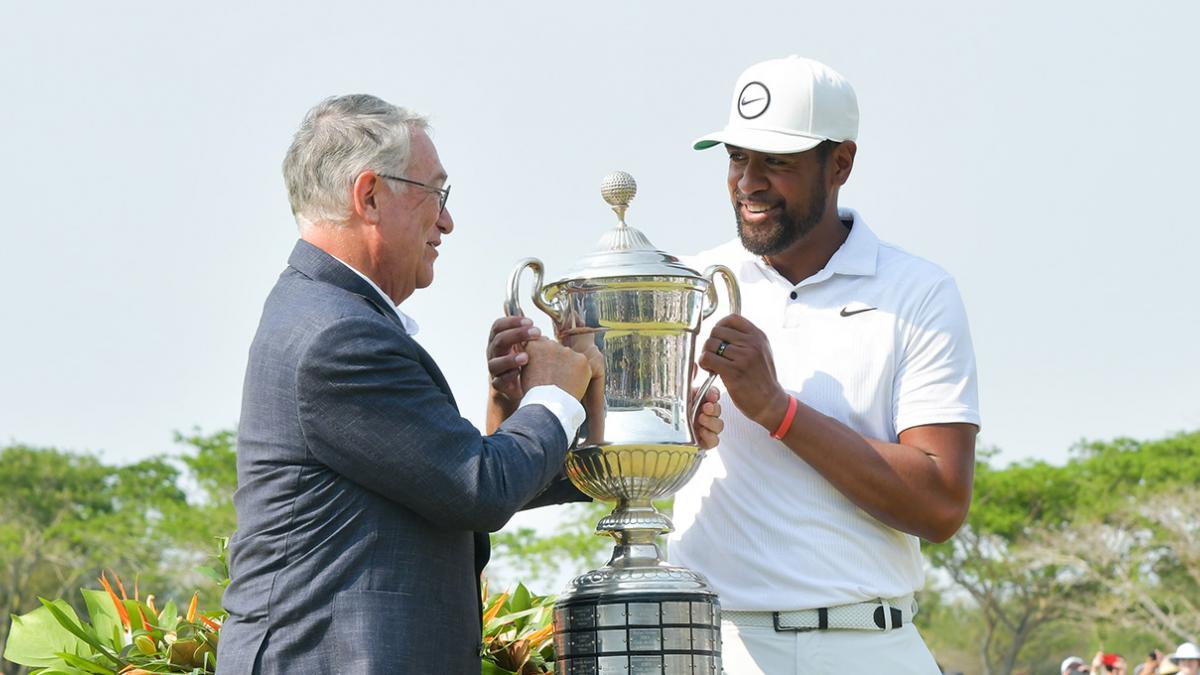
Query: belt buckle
x=789, y=629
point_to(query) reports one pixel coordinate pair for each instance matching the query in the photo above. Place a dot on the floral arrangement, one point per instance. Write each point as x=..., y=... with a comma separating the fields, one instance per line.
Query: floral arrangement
x=518, y=634
x=126, y=635
x=123, y=636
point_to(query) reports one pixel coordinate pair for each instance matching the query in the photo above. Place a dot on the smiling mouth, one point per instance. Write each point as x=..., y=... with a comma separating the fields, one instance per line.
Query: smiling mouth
x=756, y=210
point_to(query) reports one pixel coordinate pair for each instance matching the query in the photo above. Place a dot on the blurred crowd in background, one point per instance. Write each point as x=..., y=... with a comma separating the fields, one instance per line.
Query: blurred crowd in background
x=1185, y=660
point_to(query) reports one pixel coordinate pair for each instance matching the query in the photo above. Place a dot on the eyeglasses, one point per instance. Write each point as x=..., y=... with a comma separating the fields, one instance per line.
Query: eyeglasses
x=442, y=193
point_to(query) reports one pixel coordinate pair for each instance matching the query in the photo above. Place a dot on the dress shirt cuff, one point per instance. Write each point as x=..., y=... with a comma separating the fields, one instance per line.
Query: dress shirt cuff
x=561, y=404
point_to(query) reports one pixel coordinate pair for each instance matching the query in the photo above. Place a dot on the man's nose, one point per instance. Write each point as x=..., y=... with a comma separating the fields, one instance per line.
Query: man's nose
x=753, y=178
x=445, y=222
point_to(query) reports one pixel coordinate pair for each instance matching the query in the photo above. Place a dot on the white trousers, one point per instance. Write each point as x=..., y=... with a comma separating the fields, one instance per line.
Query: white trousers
x=762, y=651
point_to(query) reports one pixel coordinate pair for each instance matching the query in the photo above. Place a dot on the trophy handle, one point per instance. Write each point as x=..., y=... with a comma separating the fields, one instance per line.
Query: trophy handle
x=710, y=306
x=512, y=304
x=731, y=285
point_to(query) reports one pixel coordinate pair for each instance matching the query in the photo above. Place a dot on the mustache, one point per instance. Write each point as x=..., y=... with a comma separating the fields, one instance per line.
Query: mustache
x=743, y=197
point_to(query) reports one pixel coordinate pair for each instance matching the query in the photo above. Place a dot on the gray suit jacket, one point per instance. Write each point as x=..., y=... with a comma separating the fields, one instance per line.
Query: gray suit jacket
x=362, y=491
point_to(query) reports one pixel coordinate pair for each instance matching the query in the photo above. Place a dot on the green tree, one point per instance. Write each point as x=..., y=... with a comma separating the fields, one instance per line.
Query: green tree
x=1016, y=593
x=1139, y=537
x=538, y=559
x=1084, y=544
x=65, y=516
x=210, y=463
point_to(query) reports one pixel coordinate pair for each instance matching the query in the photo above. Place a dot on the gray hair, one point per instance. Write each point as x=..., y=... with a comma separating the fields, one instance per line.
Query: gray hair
x=340, y=138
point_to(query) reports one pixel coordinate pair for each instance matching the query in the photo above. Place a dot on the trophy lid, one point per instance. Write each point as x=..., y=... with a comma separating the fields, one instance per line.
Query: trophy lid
x=624, y=251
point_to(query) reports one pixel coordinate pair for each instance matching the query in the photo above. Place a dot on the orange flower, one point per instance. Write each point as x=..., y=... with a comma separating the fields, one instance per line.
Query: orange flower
x=145, y=623
x=120, y=586
x=121, y=611
x=210, y=623
x=495, y=609
x=539, y=635
x=191, y=613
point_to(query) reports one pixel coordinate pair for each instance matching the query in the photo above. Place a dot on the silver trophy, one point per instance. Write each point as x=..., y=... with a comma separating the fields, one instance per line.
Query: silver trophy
x=641, y=308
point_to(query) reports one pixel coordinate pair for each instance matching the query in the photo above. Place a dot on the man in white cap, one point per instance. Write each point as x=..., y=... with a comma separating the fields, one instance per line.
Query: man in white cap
x=1073, y=665
x=1187, y=657
x=853, y=377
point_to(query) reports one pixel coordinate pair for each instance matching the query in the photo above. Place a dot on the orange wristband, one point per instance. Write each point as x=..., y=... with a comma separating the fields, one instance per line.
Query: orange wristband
x=787, y=419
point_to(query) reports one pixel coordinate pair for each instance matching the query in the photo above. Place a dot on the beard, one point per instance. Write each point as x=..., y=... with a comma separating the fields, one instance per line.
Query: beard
x=785, y=229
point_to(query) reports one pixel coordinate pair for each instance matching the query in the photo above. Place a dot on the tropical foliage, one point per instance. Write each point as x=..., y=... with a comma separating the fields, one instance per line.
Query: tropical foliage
x=518, y=634
x=122, y=634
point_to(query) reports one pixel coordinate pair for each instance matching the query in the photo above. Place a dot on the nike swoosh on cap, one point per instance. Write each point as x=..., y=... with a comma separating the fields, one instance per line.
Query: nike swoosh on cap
x=748, y=102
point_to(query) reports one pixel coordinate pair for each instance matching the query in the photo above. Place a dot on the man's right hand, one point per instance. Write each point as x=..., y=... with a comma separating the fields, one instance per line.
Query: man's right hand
x=552, y=363
x=740, y=353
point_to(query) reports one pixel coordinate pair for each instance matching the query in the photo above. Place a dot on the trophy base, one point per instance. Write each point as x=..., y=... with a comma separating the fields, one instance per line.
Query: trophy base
x=638, y=617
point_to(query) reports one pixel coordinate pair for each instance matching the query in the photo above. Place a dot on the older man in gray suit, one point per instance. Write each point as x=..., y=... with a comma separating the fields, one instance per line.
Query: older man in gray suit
x=361, y=489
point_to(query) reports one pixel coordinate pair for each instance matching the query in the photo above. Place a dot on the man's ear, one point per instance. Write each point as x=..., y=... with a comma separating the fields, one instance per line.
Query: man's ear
x=363, y=197
x=841, y=161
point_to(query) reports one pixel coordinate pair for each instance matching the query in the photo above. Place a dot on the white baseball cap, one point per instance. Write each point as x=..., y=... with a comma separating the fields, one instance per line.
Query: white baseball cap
x=1070, y=662
x=1186, y=650
x=788, y=105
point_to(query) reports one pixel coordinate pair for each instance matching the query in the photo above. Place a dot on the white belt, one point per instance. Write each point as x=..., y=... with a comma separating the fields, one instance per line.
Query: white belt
x=880, y=614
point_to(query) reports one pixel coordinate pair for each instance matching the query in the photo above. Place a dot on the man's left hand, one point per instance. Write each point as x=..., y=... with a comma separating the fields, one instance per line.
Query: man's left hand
x=708, y=423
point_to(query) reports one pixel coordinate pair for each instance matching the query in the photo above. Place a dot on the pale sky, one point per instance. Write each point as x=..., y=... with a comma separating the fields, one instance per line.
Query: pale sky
x=1042, y=152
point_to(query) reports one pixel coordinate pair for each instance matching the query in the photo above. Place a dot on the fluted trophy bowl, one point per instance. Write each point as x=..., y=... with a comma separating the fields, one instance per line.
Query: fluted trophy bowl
x=634, y=472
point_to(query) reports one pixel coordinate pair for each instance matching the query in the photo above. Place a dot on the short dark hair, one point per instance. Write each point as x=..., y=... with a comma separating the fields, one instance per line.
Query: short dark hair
x=824, y=149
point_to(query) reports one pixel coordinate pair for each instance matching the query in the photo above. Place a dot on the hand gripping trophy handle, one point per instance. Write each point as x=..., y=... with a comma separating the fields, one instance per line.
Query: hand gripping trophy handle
x=512, y=304
x=710, y=306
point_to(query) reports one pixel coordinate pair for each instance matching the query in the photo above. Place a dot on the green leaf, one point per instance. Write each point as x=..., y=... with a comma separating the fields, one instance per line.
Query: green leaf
x=85, y=665
x=105, y=621
x=36, y=637
x=135, y=619
x=520, y=599
x=489, y=668
x=68, y=620
x=510, y=618
x=210, y=573
x=169, y=614
x=168, y=619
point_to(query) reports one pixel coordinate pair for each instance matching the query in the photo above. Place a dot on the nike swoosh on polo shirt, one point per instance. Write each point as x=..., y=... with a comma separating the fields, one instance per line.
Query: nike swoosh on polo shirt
x=857, y=311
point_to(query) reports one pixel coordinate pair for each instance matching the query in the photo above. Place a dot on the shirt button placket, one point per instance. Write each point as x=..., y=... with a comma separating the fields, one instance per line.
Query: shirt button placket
x=792, y=310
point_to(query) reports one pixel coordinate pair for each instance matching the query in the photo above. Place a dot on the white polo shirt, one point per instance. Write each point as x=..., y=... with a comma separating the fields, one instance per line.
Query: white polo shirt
x=877, y=340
